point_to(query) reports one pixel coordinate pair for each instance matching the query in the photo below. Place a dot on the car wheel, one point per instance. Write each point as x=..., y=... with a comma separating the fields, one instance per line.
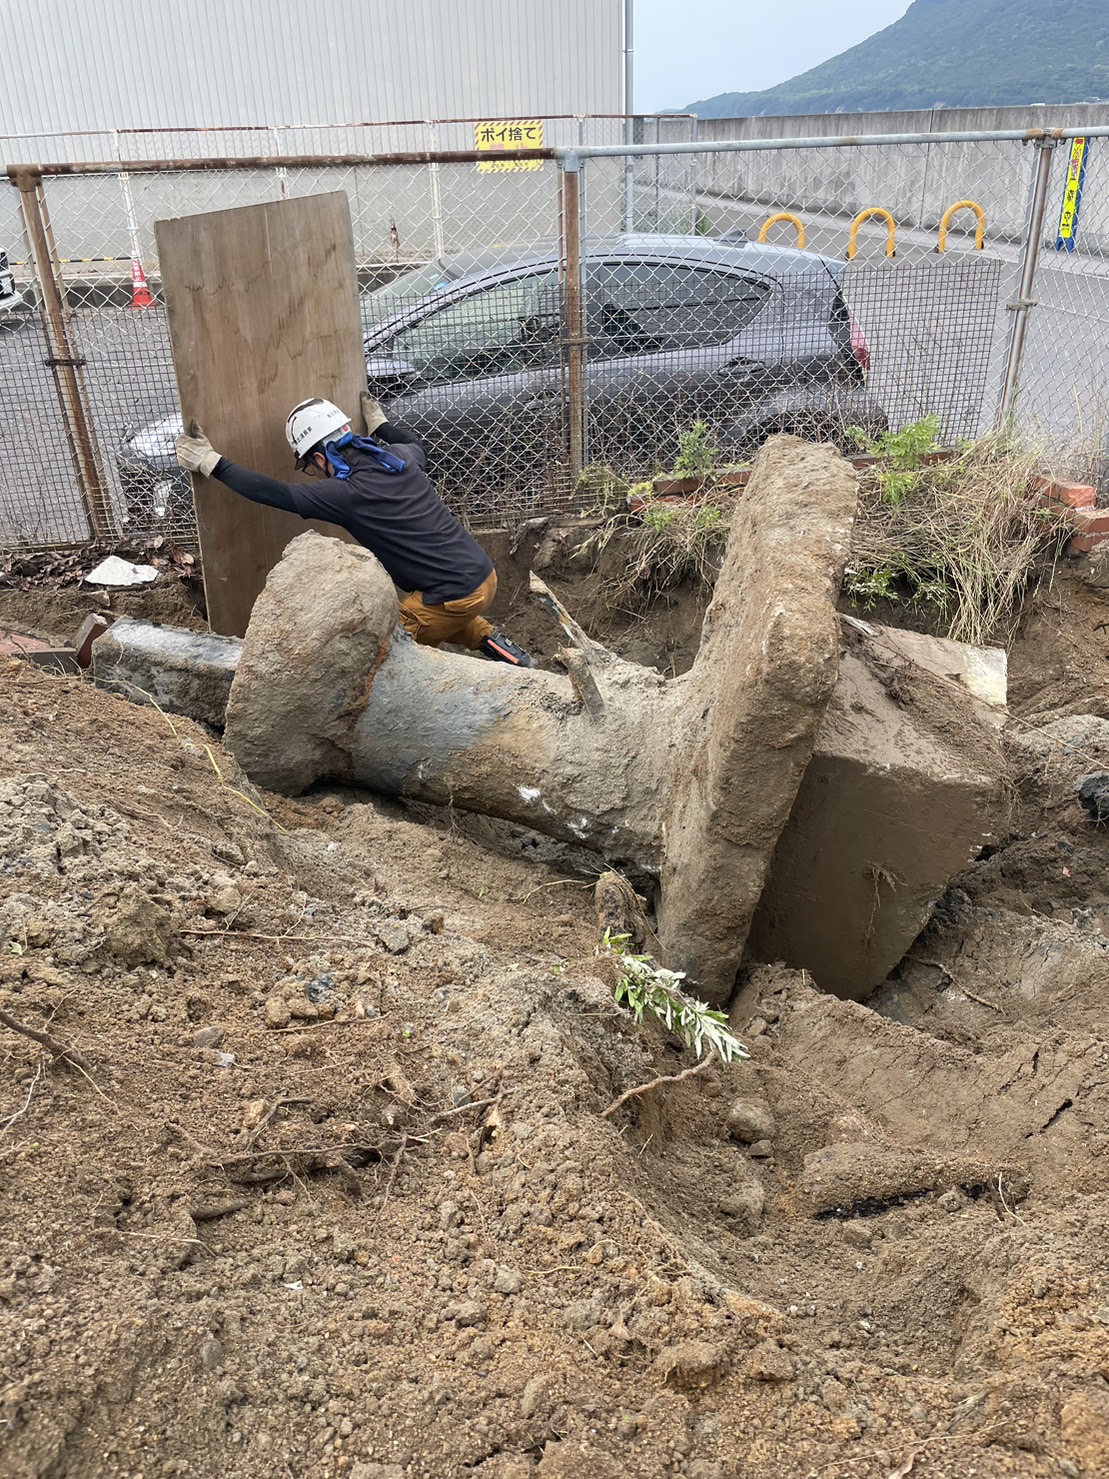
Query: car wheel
x=815, y=428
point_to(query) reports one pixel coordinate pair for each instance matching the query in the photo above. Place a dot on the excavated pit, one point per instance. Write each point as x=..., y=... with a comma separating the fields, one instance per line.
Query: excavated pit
x=877, y=1247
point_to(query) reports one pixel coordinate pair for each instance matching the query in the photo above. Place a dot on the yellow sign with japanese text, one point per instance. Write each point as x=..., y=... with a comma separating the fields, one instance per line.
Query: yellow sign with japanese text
x=501, y=138
x=1072, y=194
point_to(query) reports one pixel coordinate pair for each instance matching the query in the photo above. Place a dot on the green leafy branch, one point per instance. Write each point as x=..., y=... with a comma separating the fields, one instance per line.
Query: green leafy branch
x=646, y=988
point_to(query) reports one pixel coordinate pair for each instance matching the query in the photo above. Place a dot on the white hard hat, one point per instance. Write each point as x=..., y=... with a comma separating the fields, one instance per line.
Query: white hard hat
x=311, y=423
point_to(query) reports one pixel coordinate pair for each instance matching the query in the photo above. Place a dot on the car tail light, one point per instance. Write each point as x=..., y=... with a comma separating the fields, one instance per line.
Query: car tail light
x=859, y=347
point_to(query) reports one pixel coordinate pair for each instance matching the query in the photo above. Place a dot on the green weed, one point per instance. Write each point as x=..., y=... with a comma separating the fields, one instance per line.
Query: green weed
x=960, y=538
x=696, y=453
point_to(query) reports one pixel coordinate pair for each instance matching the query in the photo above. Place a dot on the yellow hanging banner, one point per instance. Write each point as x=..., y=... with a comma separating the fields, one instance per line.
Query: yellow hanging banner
x=1072, y=196
x=501, y=138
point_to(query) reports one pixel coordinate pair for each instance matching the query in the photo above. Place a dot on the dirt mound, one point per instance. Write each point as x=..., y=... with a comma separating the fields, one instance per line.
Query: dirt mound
x=336, y=1193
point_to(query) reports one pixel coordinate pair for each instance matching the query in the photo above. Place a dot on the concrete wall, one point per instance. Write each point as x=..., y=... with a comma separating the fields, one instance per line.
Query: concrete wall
x=915, y=182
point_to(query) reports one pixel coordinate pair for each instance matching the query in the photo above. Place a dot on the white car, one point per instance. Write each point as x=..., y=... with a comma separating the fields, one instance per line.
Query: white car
x=9, y=298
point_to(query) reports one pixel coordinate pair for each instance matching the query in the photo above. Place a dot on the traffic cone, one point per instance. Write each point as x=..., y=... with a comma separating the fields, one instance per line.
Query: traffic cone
x=140, y=293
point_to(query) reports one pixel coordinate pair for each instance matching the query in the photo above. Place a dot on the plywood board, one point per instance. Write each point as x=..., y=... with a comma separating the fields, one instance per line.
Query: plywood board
x=263, y=313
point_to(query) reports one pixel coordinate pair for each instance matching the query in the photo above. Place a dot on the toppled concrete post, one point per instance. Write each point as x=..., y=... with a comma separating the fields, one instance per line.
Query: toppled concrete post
x=693, y=778
x=180, y=671
x=800, y=793
x=325, y=688
x=754, y=701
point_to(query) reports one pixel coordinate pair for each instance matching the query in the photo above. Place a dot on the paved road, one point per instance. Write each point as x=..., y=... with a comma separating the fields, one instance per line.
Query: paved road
x=129, y=374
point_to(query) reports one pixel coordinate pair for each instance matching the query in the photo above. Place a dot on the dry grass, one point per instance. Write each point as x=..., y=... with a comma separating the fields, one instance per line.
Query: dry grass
x=667, y=545
x=963, y=538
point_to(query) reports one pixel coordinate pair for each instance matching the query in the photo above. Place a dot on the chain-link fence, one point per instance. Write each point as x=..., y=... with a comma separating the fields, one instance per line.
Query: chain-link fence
x=528, y=315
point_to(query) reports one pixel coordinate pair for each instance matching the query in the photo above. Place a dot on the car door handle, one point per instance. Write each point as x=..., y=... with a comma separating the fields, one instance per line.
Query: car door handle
x=739, y=362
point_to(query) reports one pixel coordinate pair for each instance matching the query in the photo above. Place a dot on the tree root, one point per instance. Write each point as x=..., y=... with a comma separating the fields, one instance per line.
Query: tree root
x=265, y=1167
x=654, y=1083
x=61, y=1051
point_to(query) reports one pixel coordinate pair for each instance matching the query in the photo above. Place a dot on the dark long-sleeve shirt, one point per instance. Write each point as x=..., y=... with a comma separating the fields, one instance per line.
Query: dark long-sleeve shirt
x=398, y=516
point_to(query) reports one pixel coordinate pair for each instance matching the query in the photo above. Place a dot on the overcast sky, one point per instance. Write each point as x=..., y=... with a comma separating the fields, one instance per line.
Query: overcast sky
x=686, y=50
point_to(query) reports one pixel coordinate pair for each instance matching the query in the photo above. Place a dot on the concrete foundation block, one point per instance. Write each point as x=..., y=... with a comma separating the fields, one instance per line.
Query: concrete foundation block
x=903, y=790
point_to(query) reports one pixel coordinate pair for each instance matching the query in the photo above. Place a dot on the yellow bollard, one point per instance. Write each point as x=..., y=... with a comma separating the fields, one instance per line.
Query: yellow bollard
x=891, y=230
x=798, y=226
x=979, y=230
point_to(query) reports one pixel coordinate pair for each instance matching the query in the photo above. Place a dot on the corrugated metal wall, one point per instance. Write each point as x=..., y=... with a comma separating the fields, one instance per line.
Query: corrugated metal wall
x=80, y=66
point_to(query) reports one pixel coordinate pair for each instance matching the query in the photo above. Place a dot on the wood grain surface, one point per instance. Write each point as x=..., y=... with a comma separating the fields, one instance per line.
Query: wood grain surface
x=263, y=312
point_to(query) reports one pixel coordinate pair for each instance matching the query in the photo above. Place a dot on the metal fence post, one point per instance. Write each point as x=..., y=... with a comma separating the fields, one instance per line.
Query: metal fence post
x=573, y=340
x=436, y=195
x=65, y=366
x=1024, y=302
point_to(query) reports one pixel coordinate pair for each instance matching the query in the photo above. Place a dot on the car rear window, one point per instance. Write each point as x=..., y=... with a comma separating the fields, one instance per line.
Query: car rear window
x=645, y=307
x=393, y=297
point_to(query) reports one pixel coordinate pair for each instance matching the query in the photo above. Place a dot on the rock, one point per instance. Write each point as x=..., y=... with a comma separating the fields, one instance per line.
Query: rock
x=211, y=1355
x=208, y=1037
x=319, y=988
x=762, y=1150
x=691, y=1365
x=394, y=938
x=857, y=1234
x=466, y=1312
x=507, y=1281
x=745, y=1204
x=536, y=1395
x=138, y=931
x=277, y=1012
x=581, y=1314
x=750, y=1120
x=768, y=1362
x=375, y=1471
x=227, y=900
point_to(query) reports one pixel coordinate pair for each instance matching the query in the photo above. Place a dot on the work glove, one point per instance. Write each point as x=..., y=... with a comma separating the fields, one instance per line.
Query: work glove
x=372, y=413
x=196, y=453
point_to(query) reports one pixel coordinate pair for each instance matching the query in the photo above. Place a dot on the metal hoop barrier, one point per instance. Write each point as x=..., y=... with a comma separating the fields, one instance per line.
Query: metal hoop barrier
x=979, y=230
x=891, y=230
x=795, y=221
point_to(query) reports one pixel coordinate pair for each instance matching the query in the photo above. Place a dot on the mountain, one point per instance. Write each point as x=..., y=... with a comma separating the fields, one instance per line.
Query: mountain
x=959, y=53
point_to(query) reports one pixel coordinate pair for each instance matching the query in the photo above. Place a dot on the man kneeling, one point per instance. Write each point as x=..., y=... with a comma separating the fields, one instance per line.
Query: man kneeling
x=377, y=489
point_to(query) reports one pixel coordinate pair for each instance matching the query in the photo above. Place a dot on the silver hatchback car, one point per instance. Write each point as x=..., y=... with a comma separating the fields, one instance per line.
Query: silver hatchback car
x=751, y=339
